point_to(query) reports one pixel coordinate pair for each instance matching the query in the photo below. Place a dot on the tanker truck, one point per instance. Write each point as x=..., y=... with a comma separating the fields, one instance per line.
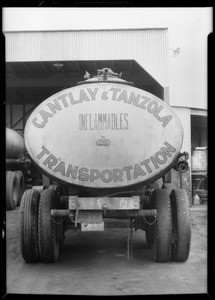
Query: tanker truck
x=104, y=144
x=15, y=166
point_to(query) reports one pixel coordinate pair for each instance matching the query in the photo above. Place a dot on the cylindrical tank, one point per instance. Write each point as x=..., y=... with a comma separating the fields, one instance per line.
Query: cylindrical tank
x=14, y=144
x=104, y=134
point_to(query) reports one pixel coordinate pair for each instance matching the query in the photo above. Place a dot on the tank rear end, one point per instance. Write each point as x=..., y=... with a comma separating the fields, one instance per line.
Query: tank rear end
x=15, y=145
x=103, y=142
x=104, y=134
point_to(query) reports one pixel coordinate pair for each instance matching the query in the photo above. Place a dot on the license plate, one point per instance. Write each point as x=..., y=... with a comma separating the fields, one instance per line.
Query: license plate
x=112, y=203
x=92, y=226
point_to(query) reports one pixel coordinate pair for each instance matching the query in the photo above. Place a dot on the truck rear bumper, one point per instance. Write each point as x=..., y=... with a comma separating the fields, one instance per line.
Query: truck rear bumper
x=119, y=206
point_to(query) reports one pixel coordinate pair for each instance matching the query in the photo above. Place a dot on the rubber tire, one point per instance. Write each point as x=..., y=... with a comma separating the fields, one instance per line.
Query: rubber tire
x=29, y=225
x=11, y=190
x=163, y=226
x=49, y=237
x=21, y=185
x=58, y=189
x=181, y=225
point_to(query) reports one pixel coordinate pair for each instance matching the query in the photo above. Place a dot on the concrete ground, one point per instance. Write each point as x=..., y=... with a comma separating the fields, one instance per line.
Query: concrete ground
x=95, y=263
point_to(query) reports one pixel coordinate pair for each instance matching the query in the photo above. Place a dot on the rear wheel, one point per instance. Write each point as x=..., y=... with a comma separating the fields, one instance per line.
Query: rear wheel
x=21, y=185
x=60, y=228
x=181, y=225
x=163, y=226
x=11, y=190
x=29, y=225
x=49, y=226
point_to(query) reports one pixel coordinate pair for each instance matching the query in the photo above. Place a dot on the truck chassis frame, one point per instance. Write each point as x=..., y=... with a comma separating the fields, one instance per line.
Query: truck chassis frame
x=46, y=214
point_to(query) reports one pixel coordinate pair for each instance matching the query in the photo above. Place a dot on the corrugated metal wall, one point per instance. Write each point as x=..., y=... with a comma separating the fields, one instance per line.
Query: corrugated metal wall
x=17, y=115
x=149, y=47
x=184, y=116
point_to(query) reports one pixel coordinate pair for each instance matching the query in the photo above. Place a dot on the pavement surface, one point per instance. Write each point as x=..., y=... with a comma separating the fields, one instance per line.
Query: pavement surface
x=95, y=263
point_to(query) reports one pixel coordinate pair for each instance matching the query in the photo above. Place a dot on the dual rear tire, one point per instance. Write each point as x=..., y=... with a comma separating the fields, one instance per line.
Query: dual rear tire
x=15, y=187
x=29, y=225
x=49, y=227
x=21, y=185
x=181, y=225
x=170, y=235
x=12, y=190
x=40, y=232
x=162, y=239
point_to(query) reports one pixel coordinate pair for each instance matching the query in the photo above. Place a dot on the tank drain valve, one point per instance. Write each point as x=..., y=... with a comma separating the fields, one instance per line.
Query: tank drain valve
x=182, y=164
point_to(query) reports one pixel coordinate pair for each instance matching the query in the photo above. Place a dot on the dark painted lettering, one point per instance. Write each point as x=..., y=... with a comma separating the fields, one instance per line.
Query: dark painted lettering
x=113, y=117
x=117, y=175
x=168, y=149
x=51, y=161
x=123, y=97
x=93, y=93
x=154, y=162
x=82, y=122
x=83, y=174
x=94, y=175
x=83, y=96
x=45, y=151
x=152, y=106
x=60, y=168
x=146, y=164
x=72, y=171
x=165, y=120
x=110, y=121
x=133, y=99
x=104, y=95
x=45, y=115
x=156, y=113
x=115, y=91
x=103, y=121
x=121, y=121
x=159, y=160
x=62, y=98
x=106, y=176
x=126, y=121
x=143, y=104
x=95, y=127
x=54, y=106
x=100, y=122
x=138, y=171
x=128, y=171
x=38, y=125
x=72, y=99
